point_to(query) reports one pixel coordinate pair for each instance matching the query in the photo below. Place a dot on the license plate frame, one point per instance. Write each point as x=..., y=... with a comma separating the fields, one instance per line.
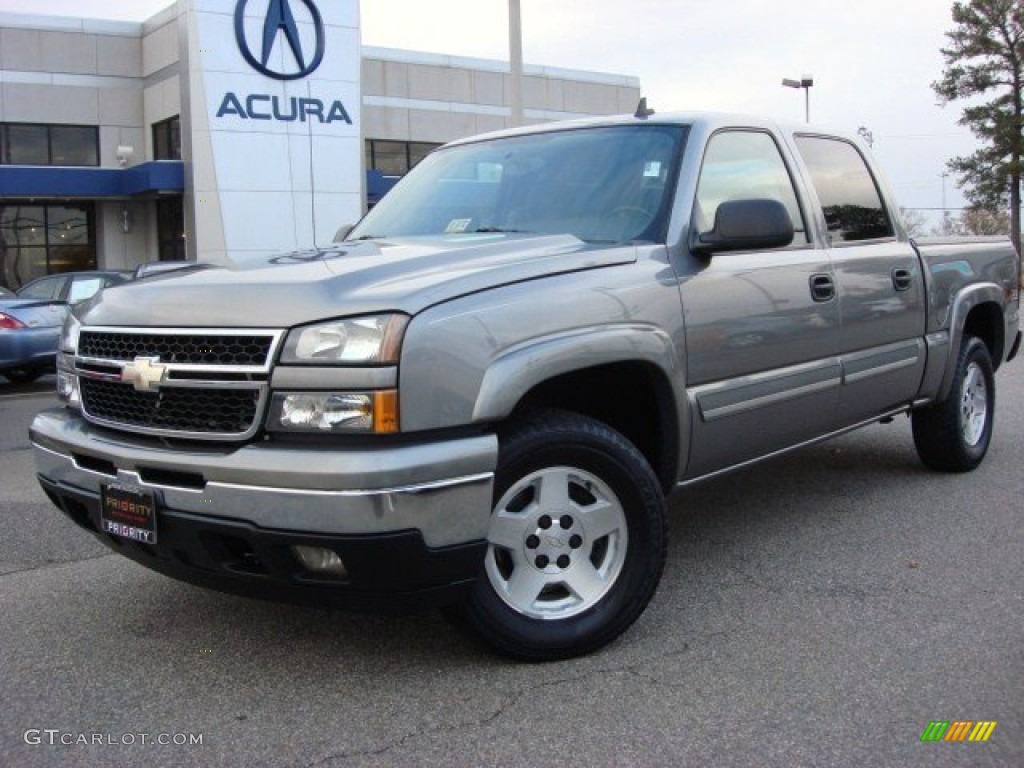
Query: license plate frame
x=128, y=512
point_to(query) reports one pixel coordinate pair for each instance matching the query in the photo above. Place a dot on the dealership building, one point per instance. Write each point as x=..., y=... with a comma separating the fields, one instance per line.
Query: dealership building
x=221, y=130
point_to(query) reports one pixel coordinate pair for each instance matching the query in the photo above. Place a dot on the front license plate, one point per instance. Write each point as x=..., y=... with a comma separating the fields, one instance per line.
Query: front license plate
x=128, y=512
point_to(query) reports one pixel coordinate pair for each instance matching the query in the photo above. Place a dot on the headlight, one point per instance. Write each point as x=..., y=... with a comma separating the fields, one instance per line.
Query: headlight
x=69, y=334
x=335, y=412
x=67, y=382
x=371, y=340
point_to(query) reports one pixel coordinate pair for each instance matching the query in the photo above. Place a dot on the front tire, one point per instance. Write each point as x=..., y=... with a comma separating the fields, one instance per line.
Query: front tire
x=577, y=540
x=954, y=434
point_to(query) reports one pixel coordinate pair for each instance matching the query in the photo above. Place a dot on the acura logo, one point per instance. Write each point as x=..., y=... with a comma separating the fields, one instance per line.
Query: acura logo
x=144, y=374
x=280, y=23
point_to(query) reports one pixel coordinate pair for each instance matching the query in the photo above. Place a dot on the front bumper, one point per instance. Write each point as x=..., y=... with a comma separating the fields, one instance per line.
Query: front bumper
x=408, y=521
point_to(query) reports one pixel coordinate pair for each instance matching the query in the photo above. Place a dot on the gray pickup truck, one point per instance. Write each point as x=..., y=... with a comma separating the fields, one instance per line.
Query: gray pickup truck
x=481, y=398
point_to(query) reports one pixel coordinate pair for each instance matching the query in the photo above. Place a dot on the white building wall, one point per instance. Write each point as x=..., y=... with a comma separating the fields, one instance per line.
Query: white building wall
x=257, y=176
x=87, y=73
x=257, y=186
x=162, y=84
x=413, y=96
x=120, y=249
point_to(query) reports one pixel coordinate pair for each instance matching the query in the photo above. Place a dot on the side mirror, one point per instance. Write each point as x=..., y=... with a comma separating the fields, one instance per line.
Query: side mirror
x=342, y=233
x=747, y=225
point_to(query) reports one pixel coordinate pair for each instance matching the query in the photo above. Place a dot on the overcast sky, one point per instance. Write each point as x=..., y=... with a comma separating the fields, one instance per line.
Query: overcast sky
x=872, y=60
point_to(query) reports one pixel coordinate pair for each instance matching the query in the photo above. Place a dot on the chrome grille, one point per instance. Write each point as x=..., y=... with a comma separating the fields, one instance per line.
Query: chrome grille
x=194, y=349
x=204, y=384
x=177, y=409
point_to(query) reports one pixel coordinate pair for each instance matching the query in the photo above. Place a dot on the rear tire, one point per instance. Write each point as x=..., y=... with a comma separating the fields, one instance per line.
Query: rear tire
x=954, y=434
x=577, y=540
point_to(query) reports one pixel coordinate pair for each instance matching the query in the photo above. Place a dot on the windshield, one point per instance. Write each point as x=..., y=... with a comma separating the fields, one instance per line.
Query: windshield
x=609, y=184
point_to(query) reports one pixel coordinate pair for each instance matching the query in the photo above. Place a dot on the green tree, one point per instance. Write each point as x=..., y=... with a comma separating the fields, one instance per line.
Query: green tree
x=984, y=59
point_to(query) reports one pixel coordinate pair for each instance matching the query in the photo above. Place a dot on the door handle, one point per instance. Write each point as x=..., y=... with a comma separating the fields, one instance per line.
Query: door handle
x=823, y=288
x=902, y=279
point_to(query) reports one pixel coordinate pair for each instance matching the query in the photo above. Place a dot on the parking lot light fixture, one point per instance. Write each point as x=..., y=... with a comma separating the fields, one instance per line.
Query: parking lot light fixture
x=805, y=82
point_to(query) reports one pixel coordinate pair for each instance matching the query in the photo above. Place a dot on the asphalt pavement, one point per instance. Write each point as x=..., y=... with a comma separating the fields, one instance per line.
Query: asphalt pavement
x=818, y=610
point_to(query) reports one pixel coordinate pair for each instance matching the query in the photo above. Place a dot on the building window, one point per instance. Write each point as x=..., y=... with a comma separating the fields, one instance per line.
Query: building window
x=39, y=239
x=26, y=144
x=167, y=139
x=74, y=145
x=170, y=229
x=395, y=158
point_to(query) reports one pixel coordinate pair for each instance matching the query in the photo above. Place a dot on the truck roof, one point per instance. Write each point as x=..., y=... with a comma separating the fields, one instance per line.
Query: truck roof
x=706, y=122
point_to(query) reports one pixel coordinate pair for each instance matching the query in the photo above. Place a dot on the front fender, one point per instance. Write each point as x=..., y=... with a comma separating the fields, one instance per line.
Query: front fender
x=470, y=360
x=519, y=369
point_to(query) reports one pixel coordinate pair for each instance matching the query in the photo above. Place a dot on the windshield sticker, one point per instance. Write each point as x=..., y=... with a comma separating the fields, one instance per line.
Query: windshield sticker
x=457, y=225
x=652, y=170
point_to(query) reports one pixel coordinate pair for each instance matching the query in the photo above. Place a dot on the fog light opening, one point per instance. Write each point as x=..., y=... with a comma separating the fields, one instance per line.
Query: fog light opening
x=320, y=561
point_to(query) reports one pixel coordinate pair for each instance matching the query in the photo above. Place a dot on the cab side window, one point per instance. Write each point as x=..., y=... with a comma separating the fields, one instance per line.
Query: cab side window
x=848, y=193
x=745, y=165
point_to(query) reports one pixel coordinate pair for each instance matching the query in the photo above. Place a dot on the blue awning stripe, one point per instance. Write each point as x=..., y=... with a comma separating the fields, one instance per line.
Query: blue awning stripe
x=166, y=176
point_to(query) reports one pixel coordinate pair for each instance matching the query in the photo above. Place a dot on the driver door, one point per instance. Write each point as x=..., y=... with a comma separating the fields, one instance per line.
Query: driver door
x=762, y=327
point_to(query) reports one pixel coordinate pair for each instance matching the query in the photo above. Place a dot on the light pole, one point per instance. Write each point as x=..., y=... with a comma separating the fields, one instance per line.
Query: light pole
x=515, y=46
x=805, y=82
x=945, y=213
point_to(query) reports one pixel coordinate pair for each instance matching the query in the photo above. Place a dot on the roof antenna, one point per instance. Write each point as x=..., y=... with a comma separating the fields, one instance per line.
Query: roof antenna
x=642, y=111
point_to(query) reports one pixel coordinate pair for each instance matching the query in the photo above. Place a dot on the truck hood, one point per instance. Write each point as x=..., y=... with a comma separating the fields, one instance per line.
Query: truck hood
x=401, y=274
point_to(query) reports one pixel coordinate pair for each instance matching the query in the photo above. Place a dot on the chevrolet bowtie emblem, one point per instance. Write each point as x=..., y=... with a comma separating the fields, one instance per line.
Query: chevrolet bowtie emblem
x=144, y=373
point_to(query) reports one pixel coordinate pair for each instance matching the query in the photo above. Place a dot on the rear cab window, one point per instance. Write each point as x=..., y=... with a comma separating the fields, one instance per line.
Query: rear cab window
x=849, y=194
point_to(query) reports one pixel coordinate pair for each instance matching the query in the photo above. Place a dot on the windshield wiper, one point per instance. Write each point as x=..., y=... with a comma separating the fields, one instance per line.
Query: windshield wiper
x=499, y=230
